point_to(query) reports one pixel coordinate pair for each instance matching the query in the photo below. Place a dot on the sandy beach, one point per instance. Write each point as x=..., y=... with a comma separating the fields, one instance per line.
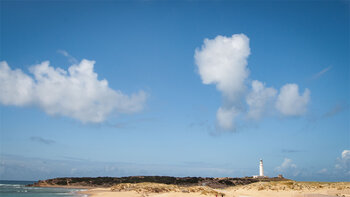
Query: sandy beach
x=103, y=192
x=252, y=190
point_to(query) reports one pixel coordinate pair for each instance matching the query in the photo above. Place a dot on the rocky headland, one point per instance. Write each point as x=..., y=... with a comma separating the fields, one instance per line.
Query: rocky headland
x=179, y=181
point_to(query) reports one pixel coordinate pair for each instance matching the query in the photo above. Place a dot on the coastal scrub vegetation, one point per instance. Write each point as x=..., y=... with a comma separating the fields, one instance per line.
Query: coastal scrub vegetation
x=180, y=181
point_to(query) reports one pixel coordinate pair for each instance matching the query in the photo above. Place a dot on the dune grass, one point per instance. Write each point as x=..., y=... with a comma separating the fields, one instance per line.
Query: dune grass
x=145, y=188
x=295, y=185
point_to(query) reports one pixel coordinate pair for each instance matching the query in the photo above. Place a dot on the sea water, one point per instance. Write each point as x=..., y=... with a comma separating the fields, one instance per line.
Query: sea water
x=19, y=189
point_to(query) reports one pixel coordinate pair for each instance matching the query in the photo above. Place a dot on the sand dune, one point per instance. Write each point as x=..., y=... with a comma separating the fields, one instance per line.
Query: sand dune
x=260, y=189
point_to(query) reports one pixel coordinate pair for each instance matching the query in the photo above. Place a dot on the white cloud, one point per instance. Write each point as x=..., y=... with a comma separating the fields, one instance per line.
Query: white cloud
x=76, y=93
x=259, y=99
x=345, y=155
x=340, y=172
x=71, y=59
x=225, y=116
x=288, y=167
x=323, y=171
x=16, y=87
x=290, y=103
x=343, y=162
x=322, y=72
x=223, y=61
x=42, y=140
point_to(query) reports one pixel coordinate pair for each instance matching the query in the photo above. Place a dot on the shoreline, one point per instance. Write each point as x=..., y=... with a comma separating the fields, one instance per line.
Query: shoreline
x=65, y=186
x=81, y=190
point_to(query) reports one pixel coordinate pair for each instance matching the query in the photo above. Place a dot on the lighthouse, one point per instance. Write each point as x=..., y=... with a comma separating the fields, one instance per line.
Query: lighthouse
x=261, y=169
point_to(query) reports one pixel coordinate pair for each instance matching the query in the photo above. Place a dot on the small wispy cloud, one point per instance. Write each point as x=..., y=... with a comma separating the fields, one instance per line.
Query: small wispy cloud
x=42, y=140
x=129, y=123
x=74, y=159
x=323, y=171
x=291, y=151
x=71, y=59
x=322, y=72
x=339, y=107
x=331, y=111
x=203, y=123
x=288, y=167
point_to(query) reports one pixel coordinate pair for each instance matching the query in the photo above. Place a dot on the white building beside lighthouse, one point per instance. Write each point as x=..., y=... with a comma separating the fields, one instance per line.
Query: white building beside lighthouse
x=261, y=170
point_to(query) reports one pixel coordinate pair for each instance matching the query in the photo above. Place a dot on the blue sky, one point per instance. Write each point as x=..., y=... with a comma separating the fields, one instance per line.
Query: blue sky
x=161, y=113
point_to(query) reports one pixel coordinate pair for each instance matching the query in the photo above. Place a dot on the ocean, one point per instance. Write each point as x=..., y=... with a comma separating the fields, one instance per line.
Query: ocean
x=19, y=189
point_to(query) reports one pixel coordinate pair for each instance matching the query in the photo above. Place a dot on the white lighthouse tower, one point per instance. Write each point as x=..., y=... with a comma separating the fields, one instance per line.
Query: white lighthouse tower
x=261, y=169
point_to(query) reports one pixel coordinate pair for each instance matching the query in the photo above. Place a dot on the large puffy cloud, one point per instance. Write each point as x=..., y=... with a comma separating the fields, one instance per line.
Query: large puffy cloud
x=290, y=103
x=16, y=87
x=259, y=98
x=76, y=93
x=223, y=61
x=225, y=117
